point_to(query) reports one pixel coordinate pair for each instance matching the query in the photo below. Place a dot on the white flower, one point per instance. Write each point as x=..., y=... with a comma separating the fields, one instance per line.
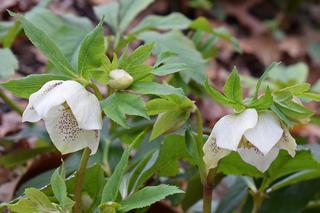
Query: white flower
x=256, y=137
x=120, y=79
x=71, y=114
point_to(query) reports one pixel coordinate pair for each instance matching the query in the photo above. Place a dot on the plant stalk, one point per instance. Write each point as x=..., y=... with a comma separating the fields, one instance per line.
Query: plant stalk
x=79, y=179
x=202, y=169
x=13, y=105
x=207, y=192
x=258, y=198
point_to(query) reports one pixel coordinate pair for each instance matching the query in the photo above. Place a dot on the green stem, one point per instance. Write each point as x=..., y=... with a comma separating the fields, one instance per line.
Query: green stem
x=96, y=91
x=79, y=179
x=258, y=198
x=13, y=105
x=202, y=168
x=207, y=192
x=199, y=126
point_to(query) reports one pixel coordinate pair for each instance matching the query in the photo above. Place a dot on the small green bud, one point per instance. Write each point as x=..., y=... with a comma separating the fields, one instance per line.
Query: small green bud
x=120, y=79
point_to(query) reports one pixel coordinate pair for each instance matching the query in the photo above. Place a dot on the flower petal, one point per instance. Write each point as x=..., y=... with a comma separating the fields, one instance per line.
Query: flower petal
x=48, y=96
x=266, y=133
x=65, y=133
x=229, y=129
x=212, y=153
x=256, y=158
x=287, y=142
x=30, y=114
x=84, y=105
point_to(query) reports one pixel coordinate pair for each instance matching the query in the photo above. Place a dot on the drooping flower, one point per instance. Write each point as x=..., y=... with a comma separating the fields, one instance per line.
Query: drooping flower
x=257, y=137
x=119, y=79
x=71, y=114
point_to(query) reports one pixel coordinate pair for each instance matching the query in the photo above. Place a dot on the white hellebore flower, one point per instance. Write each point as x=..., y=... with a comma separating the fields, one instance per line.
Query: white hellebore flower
x=257, y=137
x=71, y=114
x=120, y=79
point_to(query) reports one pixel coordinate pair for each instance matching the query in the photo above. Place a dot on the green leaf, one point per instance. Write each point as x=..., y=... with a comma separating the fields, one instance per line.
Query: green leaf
x=111, y=189
x=59, y=187
x=311, y=95
x=281, y=115
x=232, y=88
x=192, y=148
x=170, y=68
x=293, y=199
x=8, y=63
x=119, y=104
x=168, y=121
x=174, y=21
x=147, y=196
x=233, y=197
x=119, y=15
x=24, y=87
x=303, y=175
x=295, y=90
x=11, y=34
x=221, y=99
x=185, y=50
x=39, y=197
x=109, y=12
x=159, y=105
x=285, y=164
x=20, y=157
x=293, y=110
x=153, y=88
x=201, y=23
x=234, y=165
x=47, y=46
x=263, y=77
x=67, y=30
x=290, y=75
x=91, y=51
x=134, y=64
x=129, y=9
x=23, y=206
x=263, y=102
x=216, y=95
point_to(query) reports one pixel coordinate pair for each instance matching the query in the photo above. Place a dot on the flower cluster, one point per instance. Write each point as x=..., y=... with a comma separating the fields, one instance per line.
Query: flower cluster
x=256, y=136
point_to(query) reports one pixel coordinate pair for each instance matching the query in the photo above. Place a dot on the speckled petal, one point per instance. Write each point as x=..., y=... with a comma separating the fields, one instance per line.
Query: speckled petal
x=256, y=158
x=48, y=96
x=30, y=114
x=84, y=105
x=229, y=130
x=287, y=142
x=212, y=153
x=266, y=133
x=65, y=133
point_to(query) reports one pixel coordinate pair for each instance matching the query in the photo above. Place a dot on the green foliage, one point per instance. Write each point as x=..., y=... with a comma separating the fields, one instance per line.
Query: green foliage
x=91, y=53
x=24, y=87
x=8, y=63
x=174, y=21
x=147, y=196
x=59, y=187
x=47, y=46
x=232, y=88
x=20, y=157
x=111, y=189
x=173, y=112
x=153, y=88
x=118, y=15
x=120, y=104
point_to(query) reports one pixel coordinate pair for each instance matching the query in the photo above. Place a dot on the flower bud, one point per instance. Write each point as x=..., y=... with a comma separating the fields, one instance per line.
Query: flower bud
x=120, y=79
